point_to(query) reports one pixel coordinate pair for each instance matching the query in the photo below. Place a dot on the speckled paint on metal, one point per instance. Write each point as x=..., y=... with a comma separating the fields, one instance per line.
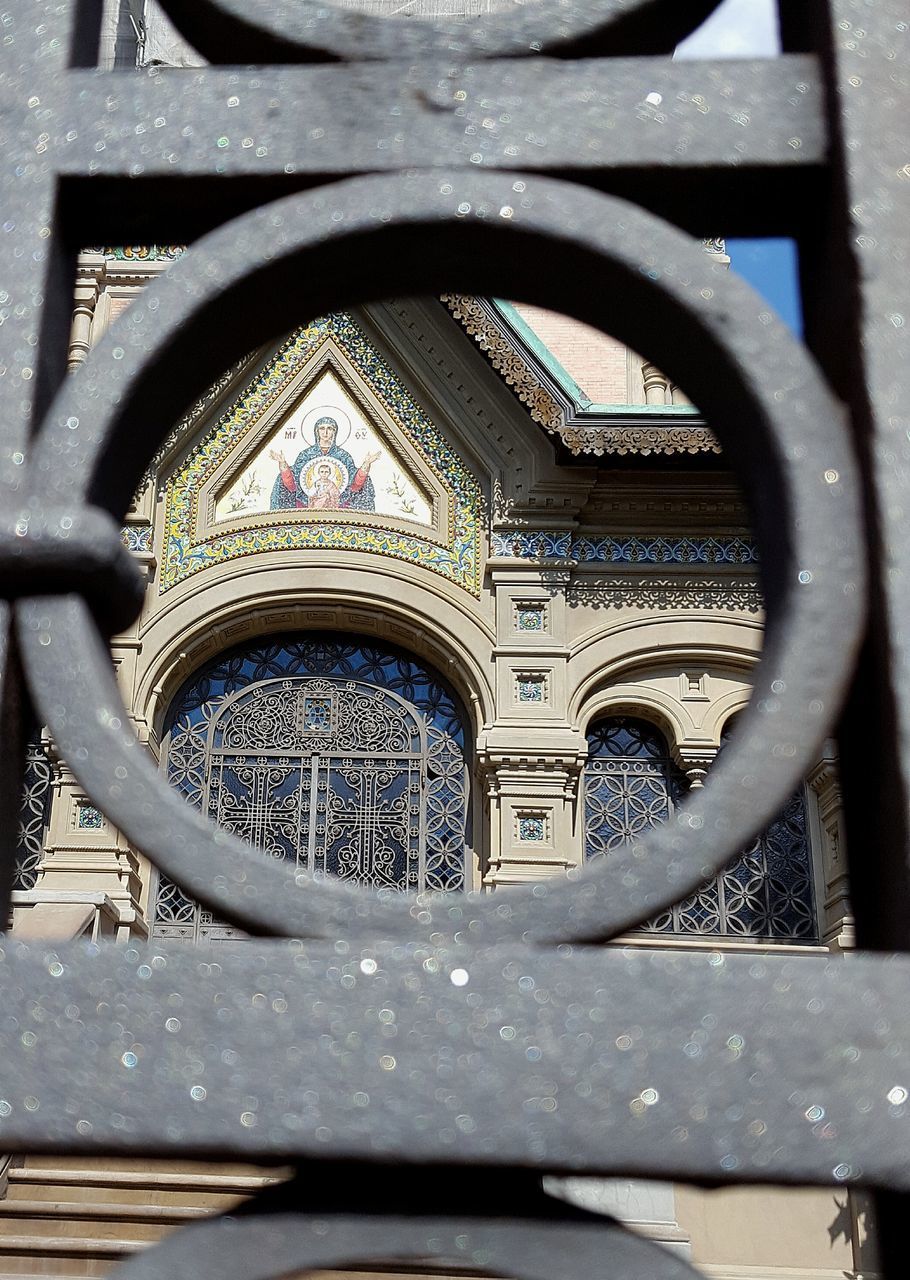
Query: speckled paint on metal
x=801, y=1078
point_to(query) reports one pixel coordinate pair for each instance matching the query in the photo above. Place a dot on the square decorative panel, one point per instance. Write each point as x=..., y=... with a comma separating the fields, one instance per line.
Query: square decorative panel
x=88, y=818
x=530, y=616
x=531, y=687
x=532, y=826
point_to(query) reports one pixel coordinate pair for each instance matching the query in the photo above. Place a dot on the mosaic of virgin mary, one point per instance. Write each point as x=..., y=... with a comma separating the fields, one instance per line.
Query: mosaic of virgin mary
x=323, y=477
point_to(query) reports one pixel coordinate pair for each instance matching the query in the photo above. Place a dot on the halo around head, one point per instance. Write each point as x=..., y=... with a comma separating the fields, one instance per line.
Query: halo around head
x=308, y=425
x=337, y=473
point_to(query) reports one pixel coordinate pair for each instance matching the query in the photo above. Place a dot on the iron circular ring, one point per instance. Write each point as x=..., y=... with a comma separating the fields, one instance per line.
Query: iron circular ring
x=429, y=232
x=253, y=1245
x=316, y=30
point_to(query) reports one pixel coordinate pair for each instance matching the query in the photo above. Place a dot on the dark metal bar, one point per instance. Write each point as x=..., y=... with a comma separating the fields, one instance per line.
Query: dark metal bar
x=860, y=324
x=737, y=135
x=603, y=115
x=696, y=1066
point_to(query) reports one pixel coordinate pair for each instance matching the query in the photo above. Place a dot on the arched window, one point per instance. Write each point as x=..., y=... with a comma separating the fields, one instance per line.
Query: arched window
x=631, y=783
x=343, y=757
x=34, y=811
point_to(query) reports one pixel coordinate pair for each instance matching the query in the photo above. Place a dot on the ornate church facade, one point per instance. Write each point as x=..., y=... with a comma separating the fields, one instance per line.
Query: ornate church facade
x=447, y=594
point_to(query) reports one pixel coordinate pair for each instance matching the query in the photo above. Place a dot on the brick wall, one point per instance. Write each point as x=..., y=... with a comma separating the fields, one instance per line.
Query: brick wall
x=597, y=363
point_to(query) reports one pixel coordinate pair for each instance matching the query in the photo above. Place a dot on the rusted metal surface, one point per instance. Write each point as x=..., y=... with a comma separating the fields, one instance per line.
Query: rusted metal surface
x=803, y=1054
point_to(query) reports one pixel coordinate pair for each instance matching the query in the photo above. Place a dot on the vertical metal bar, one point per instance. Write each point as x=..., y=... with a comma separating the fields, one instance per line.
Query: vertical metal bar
x=312, y=817
x=858, y=319
x=39, y=39
x=11, y=773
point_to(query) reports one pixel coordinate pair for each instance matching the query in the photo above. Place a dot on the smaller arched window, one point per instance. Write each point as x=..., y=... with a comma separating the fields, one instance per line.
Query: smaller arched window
x=34, y=811
x=631, y=783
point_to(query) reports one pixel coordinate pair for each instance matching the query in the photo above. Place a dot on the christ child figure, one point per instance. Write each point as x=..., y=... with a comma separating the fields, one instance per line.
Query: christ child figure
x=324, y=494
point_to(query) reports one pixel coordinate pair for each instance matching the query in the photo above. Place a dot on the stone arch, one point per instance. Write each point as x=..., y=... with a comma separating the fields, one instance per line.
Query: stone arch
x=639, y=701
x=235, y=603
x=726, y=710
x=608, y=654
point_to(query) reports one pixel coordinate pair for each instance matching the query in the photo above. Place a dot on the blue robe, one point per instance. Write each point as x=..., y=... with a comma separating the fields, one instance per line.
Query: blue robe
x=363, y=500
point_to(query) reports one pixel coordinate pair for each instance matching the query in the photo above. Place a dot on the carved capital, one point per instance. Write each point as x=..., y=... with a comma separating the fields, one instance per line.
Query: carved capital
x=655, y=384
x=695, y=759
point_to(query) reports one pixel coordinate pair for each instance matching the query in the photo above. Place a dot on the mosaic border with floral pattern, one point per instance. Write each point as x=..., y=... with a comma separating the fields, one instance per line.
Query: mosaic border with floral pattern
x=458, y=560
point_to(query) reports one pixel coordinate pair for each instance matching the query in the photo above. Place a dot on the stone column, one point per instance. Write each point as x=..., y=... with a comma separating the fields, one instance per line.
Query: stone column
x=695, y=759
x=88, y=882
x=655, y=384
x=836, y=916
x=89, y=274
x=533, y=801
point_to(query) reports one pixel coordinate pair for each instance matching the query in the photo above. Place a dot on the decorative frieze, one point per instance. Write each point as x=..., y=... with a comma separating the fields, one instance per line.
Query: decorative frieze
x=639, y=438
x=713, y=593
x=535, y=544
x=141, y=252
x=525, y=544
x=664, y=549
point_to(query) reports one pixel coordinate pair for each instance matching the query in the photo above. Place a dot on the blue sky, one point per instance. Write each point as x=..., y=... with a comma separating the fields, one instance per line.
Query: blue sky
x=748, y=29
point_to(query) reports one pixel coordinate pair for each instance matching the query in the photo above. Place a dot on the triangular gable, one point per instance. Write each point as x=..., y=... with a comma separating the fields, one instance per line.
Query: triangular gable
x=326, y=454
x=388, y=482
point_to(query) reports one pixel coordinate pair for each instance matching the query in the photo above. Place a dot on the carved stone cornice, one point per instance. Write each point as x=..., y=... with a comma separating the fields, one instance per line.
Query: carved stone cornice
x=638, y=500
x=477, y=322
x=626, y=435
x=582, y=432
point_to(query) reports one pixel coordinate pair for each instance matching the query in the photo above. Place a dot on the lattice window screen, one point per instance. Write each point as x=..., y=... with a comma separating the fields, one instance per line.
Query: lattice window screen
x=631, y=784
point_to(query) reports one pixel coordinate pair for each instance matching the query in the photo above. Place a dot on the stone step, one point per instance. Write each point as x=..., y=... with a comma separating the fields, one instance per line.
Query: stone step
x=71, y=1212
x=202, y=1186
x=74, y=1219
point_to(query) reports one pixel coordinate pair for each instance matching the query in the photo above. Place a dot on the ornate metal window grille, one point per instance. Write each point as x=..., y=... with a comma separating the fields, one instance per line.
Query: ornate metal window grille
x=33, y=816
x=631, y=783
x=344, y=759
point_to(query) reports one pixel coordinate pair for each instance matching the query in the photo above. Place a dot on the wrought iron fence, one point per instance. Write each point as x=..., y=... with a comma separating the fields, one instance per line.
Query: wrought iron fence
x=365, y=158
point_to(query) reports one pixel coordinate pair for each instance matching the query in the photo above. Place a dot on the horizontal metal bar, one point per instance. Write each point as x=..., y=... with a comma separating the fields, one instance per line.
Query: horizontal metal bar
x=702, y=1067
x=610, y=114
